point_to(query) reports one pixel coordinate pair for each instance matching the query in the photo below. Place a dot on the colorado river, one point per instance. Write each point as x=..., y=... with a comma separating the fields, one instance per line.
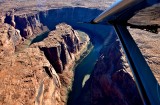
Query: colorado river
x=84, y=68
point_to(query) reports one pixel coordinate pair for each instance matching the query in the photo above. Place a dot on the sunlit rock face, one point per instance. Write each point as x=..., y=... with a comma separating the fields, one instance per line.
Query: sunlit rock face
x=63, y=47
x=28, y=24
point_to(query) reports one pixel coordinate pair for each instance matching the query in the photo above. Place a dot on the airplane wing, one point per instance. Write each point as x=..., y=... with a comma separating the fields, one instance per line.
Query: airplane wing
x=118, y=15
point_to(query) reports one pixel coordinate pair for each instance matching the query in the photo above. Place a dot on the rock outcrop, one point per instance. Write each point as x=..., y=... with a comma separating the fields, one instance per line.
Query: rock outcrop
x=28, y=24
x=6, y=44
x=10, y=18
x=9, y=39
x=29, y=76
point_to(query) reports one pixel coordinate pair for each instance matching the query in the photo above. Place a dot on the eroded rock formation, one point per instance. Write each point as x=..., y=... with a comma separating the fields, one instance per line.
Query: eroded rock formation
x=28, y=24
x=29, y=76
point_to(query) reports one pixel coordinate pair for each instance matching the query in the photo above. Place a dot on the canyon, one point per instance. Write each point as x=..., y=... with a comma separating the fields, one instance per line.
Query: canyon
x=29, y=76
x=49, y=57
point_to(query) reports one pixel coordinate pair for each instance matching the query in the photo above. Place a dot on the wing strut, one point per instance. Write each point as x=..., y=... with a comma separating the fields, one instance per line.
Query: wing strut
x=118, y=15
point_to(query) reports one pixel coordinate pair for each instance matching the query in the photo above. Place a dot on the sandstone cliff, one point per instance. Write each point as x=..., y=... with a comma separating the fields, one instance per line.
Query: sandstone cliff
x=35, y=68
x=9, y=38
x=28, y=24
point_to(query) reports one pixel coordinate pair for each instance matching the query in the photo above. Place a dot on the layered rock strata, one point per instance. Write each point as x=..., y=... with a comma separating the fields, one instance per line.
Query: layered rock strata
x=28, y=24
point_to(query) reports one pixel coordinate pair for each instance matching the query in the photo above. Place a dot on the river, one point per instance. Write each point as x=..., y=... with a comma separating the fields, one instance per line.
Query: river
x=84, y=68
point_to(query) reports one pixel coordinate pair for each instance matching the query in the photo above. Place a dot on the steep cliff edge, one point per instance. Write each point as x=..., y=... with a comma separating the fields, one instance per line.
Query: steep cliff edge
x=110, y=83
x=9, y=38
x=28, y=24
